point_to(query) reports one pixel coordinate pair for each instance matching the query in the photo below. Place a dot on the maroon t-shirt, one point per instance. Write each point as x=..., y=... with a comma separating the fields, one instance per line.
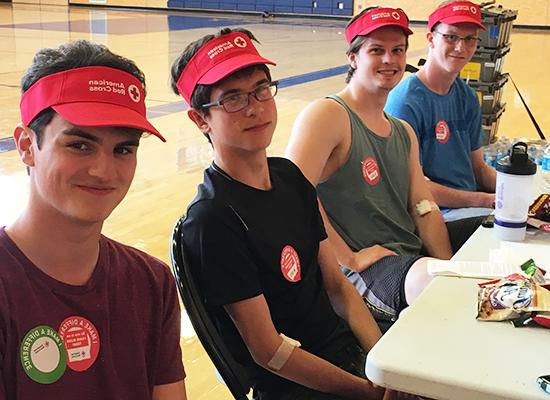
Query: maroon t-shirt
x=114, y=338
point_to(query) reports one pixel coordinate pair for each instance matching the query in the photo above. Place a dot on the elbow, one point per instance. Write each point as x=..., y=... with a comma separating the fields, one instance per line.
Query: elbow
x=263, y=353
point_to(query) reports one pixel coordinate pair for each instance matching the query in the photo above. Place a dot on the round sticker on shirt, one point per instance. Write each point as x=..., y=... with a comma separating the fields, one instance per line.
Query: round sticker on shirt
x=43, y=355
x=81, y=340
x=290, y=264
x=371, y=172
x=442, y=132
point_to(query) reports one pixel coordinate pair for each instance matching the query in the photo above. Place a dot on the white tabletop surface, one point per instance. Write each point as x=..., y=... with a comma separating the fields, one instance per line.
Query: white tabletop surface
x=438, y=349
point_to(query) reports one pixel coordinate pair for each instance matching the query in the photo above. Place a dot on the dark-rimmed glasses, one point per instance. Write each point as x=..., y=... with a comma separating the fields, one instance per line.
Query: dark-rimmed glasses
x=237, y=102
x=453, y=39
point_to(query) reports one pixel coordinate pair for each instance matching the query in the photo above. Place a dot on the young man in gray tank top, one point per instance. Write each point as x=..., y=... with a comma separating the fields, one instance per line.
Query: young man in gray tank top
x=377, y=208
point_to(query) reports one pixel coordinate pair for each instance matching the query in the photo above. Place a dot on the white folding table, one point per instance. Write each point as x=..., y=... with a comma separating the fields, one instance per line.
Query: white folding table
x=438, y=349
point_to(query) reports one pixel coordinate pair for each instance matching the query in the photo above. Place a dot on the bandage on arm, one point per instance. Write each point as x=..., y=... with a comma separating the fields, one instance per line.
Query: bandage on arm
x=283, y=353
x=424, y=207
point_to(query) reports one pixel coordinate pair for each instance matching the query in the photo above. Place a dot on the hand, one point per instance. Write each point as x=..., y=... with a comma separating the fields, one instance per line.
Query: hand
x=393, y=395
x=485, y=200
x=364, y=258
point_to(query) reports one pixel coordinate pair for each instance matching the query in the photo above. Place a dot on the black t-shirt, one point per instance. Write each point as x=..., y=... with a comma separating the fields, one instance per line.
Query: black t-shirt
x=243, y=242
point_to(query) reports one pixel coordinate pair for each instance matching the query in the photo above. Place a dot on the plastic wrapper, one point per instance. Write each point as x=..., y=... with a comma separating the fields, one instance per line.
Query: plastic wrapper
x=540, y=209
x=515, y=297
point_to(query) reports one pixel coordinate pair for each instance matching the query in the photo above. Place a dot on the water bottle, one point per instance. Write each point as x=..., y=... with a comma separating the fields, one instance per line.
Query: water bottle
x=514, y=190
x=546, y=170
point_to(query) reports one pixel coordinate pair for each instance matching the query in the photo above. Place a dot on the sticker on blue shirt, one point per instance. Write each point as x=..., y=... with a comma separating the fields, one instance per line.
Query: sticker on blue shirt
x=442, y=132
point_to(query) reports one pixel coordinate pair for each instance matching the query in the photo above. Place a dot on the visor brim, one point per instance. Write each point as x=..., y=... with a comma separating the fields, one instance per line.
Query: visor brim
x=105, y=114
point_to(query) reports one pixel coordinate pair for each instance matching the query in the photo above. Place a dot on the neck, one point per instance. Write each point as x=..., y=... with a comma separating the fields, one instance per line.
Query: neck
x=436, y=79
x=369, y=106
x=250, y=169
x=369, y=102
x=63, y=249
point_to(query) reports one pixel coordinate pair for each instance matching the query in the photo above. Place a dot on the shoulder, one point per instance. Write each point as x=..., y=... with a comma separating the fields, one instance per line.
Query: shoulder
x=326, y=113
x=286, y=169
x=404, y=97
x=12, y=260
x=464, y=89
x=405, y=128
x=127, y=258
x=406, y=84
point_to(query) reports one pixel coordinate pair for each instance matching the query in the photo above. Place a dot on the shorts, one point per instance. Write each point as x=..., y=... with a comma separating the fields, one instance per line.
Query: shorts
x=383, y=285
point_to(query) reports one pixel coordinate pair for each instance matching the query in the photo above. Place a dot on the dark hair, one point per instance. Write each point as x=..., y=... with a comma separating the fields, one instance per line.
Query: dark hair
x=81, y=53
x=356, y=43
x=201, y=93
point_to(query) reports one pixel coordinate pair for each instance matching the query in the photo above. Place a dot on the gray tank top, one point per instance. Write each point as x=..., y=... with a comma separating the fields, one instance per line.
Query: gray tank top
x=367, y=198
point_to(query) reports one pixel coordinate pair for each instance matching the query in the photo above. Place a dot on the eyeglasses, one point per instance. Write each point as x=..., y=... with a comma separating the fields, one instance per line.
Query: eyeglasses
x=237, y=102
x=469, y=41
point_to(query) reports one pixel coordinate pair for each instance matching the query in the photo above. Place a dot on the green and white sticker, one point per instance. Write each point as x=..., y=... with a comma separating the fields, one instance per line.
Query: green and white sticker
x=43, y=355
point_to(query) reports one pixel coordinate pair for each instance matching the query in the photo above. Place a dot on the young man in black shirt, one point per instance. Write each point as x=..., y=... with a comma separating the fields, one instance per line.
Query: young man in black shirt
x=256, y=239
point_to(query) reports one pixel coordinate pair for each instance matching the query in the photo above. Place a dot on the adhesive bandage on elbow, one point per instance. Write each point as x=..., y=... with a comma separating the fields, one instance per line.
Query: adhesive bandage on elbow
x=283, y=353
x=424, y=207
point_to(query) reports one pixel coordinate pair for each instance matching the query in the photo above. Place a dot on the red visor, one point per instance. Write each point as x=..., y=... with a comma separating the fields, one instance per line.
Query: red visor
x=90, y=96
x=376, y=19
x=455, y=13
x=217, y=59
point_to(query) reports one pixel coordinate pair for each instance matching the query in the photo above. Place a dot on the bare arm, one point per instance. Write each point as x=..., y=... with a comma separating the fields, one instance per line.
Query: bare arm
x=455, y=198
x=345, y=300
x=323, y=130
x=486, y=176
x=253, y=321
x=357, y=261
x=170, y=391
x=431, y=227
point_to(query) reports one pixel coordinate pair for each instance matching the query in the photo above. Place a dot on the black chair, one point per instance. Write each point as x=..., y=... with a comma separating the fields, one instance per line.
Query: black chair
x=231, y=372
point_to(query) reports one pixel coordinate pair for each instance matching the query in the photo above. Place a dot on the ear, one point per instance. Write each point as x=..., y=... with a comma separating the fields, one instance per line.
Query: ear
x=25, y=138
x=430, y=37
x=352, y=60
x=199, y=119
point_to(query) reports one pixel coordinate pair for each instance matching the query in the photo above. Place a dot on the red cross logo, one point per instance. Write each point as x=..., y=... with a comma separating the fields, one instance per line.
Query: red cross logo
x=134, y=93
x=240, y=41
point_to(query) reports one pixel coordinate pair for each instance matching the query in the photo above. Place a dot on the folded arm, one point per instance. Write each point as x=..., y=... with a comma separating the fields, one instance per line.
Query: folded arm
x=253, y=321
x=431, y=227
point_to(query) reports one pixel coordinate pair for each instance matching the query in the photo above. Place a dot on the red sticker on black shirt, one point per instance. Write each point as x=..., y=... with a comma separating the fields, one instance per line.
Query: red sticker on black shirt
x=81, y=340
x=290, y=264
x=442, y=132
x=371, y=172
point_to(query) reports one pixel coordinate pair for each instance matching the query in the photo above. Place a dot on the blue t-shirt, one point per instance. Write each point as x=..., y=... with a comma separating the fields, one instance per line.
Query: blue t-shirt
x=448, y=128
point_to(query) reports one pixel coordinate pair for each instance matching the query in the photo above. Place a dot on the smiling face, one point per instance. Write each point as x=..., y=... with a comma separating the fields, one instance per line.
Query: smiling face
x=380, y=62
x=452, y=57
x=249, y=130
x=79, y=173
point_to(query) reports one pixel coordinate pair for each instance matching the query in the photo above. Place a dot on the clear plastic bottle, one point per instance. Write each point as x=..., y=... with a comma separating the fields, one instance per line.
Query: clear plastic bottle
x=546, y=170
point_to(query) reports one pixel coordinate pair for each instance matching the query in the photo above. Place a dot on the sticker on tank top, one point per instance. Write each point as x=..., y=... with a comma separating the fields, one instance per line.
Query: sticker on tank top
x=42, y=354
x=290, y=264
x=442, y=132
x=81, y=340
x=371, y=172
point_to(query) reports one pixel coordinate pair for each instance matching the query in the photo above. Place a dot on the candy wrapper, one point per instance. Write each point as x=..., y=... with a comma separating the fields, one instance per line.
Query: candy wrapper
x=512, y=297
x=540, y=209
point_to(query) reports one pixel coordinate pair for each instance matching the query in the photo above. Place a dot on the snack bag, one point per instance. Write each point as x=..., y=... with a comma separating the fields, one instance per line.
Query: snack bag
x=508, y=298
x=540, y=209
